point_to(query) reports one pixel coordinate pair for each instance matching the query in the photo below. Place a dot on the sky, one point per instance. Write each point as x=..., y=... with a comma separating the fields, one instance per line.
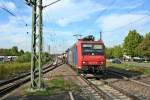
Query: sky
x=114, y=18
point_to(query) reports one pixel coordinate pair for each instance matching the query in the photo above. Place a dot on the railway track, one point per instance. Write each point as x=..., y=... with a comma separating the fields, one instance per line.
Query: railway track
x=133, y=79
x=105, y=91
x=11, y=84
x=129, y=86
x=100, y=90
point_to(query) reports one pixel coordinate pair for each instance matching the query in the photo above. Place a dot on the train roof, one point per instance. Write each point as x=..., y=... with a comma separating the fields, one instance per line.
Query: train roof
x=99, y=41
x=89, y=39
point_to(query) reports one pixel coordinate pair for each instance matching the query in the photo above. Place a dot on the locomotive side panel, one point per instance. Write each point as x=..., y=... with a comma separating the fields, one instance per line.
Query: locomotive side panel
x=72, y=56
x=79, y=58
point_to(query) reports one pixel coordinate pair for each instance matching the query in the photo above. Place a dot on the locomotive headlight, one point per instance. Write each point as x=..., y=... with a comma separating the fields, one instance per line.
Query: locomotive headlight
x=102, y=62
x=83, y=62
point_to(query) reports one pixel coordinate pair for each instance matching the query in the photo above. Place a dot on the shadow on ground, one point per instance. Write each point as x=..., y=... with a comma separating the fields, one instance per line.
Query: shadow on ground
x=125, y=72
x=61, y=96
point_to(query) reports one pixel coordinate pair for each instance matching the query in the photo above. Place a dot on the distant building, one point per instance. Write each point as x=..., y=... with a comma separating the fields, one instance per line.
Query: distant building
x=127, y=58
x=1, y=58
x=8, y=58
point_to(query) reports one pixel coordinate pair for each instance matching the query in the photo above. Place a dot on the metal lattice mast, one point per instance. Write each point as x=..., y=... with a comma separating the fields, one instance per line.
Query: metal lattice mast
x=40, y=42
x=37, y=41
x=33, y=46
x=36, y=44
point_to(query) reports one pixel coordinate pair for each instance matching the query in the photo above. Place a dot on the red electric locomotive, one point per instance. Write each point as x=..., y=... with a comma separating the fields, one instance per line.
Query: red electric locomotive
x=87, y=54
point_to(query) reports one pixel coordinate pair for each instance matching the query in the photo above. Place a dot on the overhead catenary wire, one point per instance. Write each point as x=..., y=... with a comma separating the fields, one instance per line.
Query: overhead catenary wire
x=53, y=37
x=20, y=12
x=5, y=8
x=51, y=3
x=106, y=9
x=135, y=21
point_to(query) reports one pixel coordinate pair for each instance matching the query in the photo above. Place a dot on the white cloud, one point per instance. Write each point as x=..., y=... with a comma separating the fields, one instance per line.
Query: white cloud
x=22, y=40
x=69, y=11
x=119, y=4
x=9, y=5
x=58, y=40
x=114, y=21
x=116, y=26
x=66, y=12
x=14, y=33
x=15, y=24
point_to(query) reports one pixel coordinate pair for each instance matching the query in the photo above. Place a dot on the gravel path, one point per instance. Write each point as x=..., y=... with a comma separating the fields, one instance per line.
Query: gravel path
x=70, y=74
x=134, y=88
x=144, y=80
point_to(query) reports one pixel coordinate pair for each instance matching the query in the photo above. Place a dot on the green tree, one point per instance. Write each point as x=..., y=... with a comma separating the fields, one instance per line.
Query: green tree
x=5, y=52
x=131, y=42
x=46, y=57
x=109, y=52
x=144, y=46
x=26, y=57
x=21, y=52
x=14, y=50
x=118, y=51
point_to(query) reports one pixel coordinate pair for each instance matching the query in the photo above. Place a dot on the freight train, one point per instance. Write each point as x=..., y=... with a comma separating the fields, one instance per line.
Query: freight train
x=87, y=54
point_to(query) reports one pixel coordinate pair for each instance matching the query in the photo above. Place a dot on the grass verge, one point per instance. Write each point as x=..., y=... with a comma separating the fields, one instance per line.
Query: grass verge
x=10, y=68
x=54, y=86
x=131, y=68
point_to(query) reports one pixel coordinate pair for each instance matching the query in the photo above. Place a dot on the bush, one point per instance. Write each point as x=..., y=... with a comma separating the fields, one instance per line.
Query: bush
x=24, y=58
x=46, y=58
x=7, y=69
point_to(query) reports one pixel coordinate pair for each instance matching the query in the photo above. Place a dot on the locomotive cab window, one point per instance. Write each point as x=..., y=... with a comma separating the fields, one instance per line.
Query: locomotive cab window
x=92, y=49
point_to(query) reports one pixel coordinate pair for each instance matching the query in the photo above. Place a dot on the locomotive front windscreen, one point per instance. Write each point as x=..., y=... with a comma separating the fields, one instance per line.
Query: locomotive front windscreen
x=92, y=49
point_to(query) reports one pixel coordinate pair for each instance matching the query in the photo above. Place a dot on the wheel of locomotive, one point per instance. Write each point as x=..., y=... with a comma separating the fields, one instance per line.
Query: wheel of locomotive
x=104, y=71
x=96, y=70
x=100, y=70
x=90, y=70
x=79, y=71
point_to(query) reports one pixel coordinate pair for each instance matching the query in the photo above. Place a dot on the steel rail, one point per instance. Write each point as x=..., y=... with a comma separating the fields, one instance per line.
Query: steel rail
x=12, y=84
x=121, y=74
x=105, y=95
x=134, y=96
x=100, y=92
x=19, y=77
